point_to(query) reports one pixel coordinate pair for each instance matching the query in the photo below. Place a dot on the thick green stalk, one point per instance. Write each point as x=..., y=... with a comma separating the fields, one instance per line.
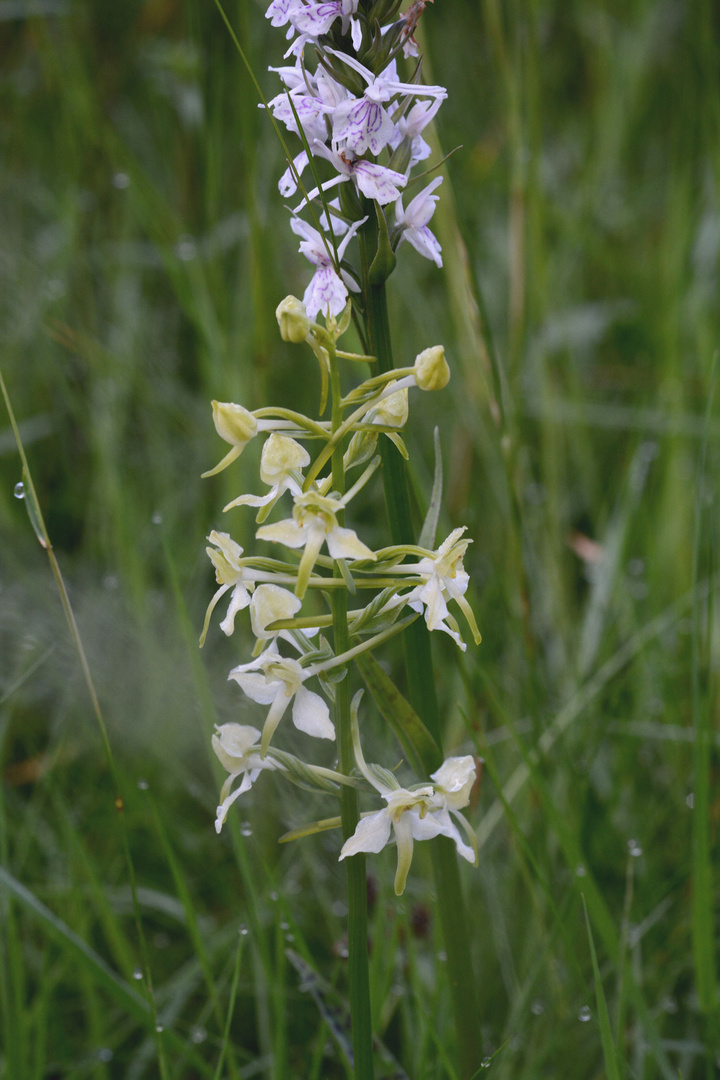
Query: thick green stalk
x=423, y=695
x=359, y=975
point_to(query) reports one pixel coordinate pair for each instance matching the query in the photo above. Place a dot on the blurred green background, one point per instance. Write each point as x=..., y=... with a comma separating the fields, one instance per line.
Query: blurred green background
x=143, y=249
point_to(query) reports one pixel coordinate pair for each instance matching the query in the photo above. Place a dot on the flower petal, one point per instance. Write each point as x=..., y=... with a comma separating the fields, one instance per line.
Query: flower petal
x=372, y=834
x=311, y=715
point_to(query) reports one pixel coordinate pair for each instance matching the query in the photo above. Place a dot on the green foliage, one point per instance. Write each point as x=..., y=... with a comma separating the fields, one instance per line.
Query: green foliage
x=144, y=250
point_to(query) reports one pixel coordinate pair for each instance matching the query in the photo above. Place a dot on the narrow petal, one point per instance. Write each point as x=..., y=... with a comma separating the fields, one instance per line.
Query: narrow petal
x=404, y=837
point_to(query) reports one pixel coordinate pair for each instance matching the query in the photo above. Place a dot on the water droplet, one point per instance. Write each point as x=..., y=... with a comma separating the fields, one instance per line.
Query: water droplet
x=442, y=956
x=186, y=249
x=121, y=181
x=198, y=1034
x=486, y=1063
x=580, y=870
x=246, y=829
x=584, y=1015
x=157, y=518
x=19, y=491
x=137, y=974
x=143, y=785
x=342, y=951
x=284, y=925
x=105, y=1054
x=159, y=1028
x=243, y=930
x=634, y=849
x=290, y=937
x=669, y=1005
x=690, y=800
x=537, y=1008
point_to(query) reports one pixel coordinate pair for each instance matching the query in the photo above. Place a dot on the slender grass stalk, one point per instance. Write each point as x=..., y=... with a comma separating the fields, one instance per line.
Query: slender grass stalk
x=704, y=689
x=423, y=697
x=38, y=523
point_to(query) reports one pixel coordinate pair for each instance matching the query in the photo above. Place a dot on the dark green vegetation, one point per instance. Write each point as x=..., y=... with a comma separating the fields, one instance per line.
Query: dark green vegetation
x=143, y=248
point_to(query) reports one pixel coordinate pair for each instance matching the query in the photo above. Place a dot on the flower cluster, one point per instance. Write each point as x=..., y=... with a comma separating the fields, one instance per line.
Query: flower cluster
x=344, y=98
x=355, y=115
x=404, y=582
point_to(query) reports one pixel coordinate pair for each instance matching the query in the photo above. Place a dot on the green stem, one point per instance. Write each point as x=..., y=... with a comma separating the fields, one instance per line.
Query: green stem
x=422, y=693
x=359, y=974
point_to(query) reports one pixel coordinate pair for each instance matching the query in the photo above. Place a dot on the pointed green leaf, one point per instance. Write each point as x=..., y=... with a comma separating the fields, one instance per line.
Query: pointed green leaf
x=418, y=744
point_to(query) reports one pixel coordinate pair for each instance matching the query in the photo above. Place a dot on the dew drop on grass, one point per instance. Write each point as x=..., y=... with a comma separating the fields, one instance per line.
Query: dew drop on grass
x=19, y=490
x=157, y=518
x=159, y=1028
x=246, y=829
x=121, y=181
x=198, y=1034
x=580, y=870
x=634, y=849
x=584, y=1014
x=143, y=785
x=290, y=938
x=690, y=800
x=486, y=1063
x=105, y=1054
x=284, y=925
x=137, y=974
x=243, y=930
x=537, y=1008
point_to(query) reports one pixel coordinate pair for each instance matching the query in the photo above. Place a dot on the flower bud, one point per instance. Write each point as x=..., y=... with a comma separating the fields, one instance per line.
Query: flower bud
x=293, y=320
x=431, y=369
x=233, y=423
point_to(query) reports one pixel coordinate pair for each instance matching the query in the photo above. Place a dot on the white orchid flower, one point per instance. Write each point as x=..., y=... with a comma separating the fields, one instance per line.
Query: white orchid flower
x=281, y=462
x=314, y=523
x=419, y=813
x=444, y=579
x=374, y=181
x=414, y=222
x=229, y=574
x=409, y=127
x=276, y=680
x=236, y=747
x=328, y=290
